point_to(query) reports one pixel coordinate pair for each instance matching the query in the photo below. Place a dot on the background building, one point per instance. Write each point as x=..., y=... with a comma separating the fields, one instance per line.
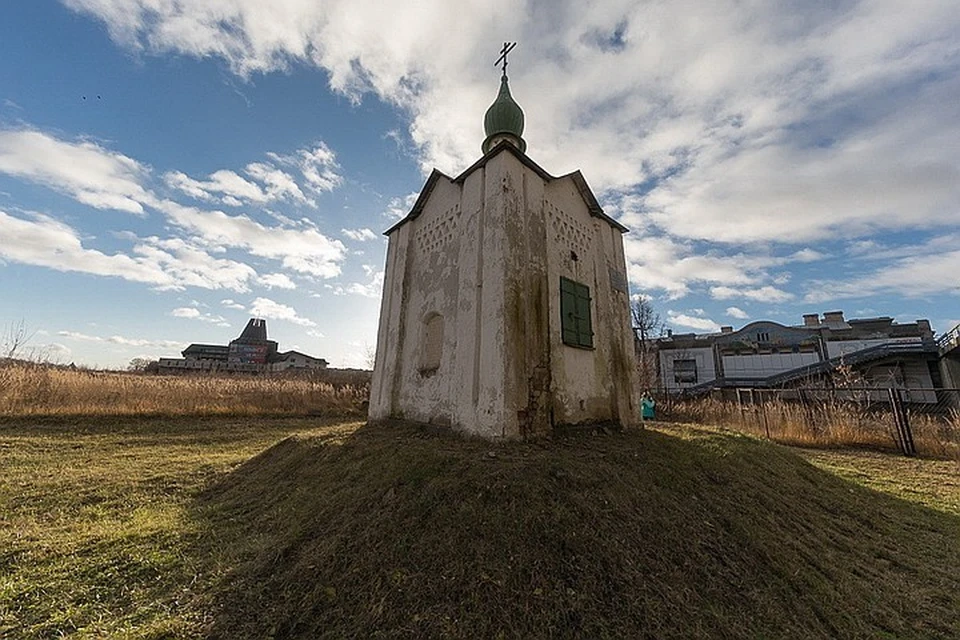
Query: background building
x=869, y=351
x=251, y=352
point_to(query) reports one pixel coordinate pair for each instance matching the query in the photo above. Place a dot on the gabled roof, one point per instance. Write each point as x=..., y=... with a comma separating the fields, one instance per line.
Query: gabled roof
x=196, y=346
x=578, y=180
x=287, y=354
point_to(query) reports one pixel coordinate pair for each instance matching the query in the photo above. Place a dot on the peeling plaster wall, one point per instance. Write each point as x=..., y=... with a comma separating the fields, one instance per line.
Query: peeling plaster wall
x=596, y=384
x=487, y=253
x=445, y=261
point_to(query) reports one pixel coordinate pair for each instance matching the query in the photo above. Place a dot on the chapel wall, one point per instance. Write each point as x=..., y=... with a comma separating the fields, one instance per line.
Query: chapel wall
x=486, y=254
x=385, y=378
x=480, y=372
x=424, y=310
x=589, y=385
x=528, y=393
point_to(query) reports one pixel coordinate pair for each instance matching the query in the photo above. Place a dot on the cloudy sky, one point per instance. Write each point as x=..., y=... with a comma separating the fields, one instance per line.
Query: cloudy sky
x=170, y=168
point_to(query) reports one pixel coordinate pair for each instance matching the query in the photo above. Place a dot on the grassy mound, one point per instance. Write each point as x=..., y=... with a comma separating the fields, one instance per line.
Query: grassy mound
x=398, y=533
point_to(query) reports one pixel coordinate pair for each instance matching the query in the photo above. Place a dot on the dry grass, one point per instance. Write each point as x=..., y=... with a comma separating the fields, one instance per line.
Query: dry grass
x=933, y=483
x=97, y=536
x=824, y=424
x=37, y=390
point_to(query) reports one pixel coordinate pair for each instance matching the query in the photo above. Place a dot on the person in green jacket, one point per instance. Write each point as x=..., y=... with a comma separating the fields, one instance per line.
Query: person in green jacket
x=647, y=404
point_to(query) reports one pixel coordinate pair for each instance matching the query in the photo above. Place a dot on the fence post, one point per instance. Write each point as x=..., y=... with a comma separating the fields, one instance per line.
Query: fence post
x=743, y=420
x=901, y=422
x=763, y=413
x=907, y=431
x=807, y=410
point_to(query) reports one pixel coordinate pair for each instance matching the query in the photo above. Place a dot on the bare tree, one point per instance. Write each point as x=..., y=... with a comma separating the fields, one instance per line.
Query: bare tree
x=647, y=327
x=139, y=364
x=14, y=339
x=369, y=356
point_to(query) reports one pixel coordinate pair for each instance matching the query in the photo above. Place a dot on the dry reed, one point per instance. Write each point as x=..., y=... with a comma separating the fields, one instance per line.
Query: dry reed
x=33, y=390
x=821, y=424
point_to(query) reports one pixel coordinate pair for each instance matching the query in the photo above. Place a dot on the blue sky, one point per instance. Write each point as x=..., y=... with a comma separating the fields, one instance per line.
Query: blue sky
x=169, y=169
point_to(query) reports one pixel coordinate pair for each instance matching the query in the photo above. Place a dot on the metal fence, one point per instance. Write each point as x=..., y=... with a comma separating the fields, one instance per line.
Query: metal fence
x=911, y=421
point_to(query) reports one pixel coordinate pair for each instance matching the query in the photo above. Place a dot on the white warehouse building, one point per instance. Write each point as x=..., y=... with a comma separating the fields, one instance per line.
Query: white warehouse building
x=880, y=351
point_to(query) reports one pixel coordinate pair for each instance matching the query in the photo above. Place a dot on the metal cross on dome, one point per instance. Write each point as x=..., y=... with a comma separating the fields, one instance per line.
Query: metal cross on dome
x=507, y=48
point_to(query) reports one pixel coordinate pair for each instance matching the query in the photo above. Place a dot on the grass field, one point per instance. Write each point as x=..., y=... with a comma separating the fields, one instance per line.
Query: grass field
x=217, y=527
x=97, y=536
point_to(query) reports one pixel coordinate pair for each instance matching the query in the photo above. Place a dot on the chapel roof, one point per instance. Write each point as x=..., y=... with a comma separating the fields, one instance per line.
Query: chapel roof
x=593, y=206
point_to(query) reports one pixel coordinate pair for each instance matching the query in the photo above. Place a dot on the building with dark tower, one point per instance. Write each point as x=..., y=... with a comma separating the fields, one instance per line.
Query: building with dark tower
x=251, y=352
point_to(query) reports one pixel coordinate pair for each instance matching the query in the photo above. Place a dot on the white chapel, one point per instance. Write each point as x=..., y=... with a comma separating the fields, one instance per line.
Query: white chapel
x=505, y=310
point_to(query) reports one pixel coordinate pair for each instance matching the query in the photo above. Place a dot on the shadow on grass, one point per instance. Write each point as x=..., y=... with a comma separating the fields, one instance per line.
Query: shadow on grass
x=398, y=533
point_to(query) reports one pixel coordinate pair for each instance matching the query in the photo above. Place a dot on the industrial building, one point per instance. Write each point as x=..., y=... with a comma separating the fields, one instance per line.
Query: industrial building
x=875, y=351
x=252, y=352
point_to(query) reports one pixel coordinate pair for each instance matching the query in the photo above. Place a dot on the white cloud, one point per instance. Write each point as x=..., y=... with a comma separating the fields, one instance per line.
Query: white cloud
x=399, y=207
x=267, y=182
x=696, y=322
x=360, y=235
x=121, y=340
x=277, y=281
x=304, y=250
x=54, y=351
x=190, y=265
x=313, y=333
x=760, y=294
x=267, y=308
x=164, y=264
x=689, y=84
x=373, y=288
x=232, y=304
x=83, y=170
x=101, y=178
x=807, y=255
x=279, y=184
x=925, y=273
x=231, y=188
x=317, y=165
x=659, y=262
x=737, y=312
x=195, y=314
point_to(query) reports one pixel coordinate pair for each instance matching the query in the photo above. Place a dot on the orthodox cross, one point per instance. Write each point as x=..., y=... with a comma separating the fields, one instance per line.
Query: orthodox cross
x=507, y=48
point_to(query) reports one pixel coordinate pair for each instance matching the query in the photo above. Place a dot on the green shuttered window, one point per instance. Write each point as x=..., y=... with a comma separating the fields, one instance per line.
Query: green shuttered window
x=575, y=314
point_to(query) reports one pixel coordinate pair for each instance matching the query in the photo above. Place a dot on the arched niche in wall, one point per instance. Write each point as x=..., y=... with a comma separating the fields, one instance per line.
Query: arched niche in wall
x=431, y=343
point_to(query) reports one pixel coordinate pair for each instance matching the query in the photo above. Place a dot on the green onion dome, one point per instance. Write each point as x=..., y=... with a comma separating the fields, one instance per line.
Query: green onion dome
x=503, y=120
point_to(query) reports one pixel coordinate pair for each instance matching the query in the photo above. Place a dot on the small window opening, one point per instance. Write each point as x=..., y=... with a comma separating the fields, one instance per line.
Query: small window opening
x=431, y=347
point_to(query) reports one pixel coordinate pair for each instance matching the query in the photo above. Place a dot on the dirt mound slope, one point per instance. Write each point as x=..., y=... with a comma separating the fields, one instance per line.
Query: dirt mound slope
x=644, y=534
